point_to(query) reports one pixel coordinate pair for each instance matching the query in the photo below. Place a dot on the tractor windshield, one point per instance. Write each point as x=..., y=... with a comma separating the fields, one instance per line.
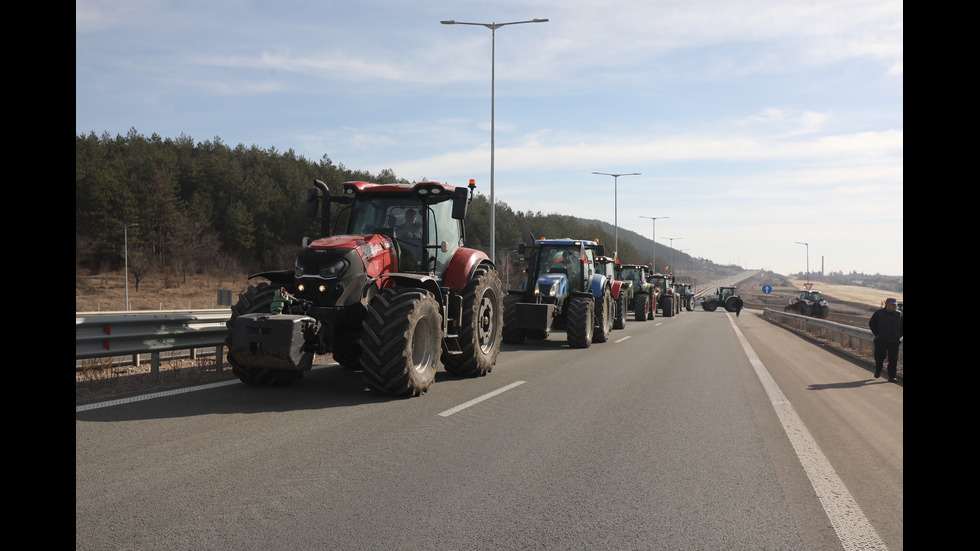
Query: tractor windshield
x=418, y=227
x=631, y=274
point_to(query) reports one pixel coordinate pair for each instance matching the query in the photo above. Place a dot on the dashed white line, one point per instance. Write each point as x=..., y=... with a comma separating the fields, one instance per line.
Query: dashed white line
x=623, y=339
x=474, y=401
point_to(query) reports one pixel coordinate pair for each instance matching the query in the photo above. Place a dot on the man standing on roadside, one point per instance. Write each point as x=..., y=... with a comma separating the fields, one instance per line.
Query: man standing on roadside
x=887, y=326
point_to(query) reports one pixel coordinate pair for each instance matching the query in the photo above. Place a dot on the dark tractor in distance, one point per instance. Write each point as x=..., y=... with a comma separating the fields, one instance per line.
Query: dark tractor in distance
x=562, y=291
x=645, y=296
x=724, y=297
x=685, y=291
x=809, y=303
x=622, y=291
x=396, y=294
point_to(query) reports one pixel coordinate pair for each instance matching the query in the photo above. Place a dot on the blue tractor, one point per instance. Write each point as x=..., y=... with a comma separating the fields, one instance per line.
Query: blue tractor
x=563, y=290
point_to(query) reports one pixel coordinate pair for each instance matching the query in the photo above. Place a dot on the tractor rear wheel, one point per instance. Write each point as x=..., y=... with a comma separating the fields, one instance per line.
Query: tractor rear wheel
x=710, y=305
x=402, y=341
x=258, y=298
x=480, y=328
x=581, y=327
x=668, y=306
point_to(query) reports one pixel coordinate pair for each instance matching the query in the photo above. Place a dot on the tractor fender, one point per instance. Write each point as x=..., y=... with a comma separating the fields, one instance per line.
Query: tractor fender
x=277, y=277
x=420, y=281
x=462, y=267
x=616, y=288
x=598, y=284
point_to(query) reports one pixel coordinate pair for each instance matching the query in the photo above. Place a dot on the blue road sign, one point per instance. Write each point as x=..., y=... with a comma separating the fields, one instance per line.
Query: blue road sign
x=766, y=289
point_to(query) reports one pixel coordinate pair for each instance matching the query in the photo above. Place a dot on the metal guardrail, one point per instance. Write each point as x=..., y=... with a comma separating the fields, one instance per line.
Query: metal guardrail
x=842, y=335
x=109, y=334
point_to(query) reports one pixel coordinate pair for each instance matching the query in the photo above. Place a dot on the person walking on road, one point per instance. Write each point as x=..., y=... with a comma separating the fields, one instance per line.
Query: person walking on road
x=887, y=326
x=738, y=305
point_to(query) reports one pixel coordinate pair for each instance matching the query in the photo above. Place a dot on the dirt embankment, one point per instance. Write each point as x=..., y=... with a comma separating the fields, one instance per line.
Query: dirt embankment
x=843, y=299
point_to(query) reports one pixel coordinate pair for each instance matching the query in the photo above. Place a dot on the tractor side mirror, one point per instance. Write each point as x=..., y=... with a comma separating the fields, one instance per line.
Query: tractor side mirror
x=459, y=203
x=312, y=202
x=601, y=250
x=520, y=248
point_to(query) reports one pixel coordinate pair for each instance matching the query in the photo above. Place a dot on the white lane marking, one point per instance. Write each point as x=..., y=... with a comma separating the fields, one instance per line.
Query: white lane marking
x=142, y=397
x=853, y=528
x=475, y=401
x=623, y=339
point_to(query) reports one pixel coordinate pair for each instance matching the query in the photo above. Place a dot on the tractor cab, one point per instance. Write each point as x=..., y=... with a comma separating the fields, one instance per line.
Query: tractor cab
x=813, y=296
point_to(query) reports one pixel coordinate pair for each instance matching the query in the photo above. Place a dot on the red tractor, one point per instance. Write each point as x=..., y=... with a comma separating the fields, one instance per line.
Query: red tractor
x=396, y=294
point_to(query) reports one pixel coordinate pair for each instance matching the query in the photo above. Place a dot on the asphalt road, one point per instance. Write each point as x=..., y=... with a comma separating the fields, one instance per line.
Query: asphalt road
x=700, y=431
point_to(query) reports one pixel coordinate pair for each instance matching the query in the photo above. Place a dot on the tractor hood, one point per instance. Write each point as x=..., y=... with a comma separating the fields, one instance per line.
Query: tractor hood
x=551, y=285
x=374, y=250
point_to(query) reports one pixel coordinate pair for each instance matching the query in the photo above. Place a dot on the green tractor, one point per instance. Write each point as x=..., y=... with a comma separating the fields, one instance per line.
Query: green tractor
x=622, y=291
x=644, y=299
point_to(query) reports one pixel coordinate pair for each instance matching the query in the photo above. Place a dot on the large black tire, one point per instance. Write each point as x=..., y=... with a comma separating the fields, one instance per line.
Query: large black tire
x=604, y=312
x=710, y=305
x=481, y=328
x=823, y=311
x=652, y=308
x=730, y=304
x=689, y=303
x=258, y=298
x=581, y=327
x=640, y=305
x=402, y=341
x=667, y=306
x=511, y=333
x=619, y=320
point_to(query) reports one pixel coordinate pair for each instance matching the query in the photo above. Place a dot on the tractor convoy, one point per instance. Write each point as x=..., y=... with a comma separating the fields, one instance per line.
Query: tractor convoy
x=396, y=294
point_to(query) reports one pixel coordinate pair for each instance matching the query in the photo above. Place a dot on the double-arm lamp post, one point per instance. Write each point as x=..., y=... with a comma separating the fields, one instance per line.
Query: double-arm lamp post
x=616, y=203
x=655, y=218
x=493, y=62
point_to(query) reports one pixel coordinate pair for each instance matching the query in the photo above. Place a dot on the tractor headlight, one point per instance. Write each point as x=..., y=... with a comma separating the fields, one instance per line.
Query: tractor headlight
x=334, y=269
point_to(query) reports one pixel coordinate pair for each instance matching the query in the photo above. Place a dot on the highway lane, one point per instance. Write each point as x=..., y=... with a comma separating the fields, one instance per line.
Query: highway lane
x=662, y=438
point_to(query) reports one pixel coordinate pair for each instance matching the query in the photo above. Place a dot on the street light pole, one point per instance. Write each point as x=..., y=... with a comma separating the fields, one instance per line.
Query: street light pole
x=671, y=249
x=616, y=203
x=126, y=256
x=493, y=70
x=807, y=259
x=654, y=218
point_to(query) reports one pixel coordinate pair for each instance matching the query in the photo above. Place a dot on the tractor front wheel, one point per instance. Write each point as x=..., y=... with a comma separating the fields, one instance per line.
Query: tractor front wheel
x=641, y=303
x=402, y=341
x=581, y=327
x=619, y=321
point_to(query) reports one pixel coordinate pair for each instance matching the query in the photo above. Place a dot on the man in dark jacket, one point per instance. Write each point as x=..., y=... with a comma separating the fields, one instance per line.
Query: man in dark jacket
x=887, y=326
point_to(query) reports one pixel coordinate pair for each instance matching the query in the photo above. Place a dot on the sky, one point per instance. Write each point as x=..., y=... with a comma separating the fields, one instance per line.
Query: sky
x=755, y=125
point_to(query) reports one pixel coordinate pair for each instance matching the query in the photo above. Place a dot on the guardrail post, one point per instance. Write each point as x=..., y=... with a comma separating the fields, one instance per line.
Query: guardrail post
x=219, y=357
x=155, y=366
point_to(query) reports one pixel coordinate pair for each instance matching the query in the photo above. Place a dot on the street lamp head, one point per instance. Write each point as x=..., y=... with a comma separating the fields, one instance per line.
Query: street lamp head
x=450, y=22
